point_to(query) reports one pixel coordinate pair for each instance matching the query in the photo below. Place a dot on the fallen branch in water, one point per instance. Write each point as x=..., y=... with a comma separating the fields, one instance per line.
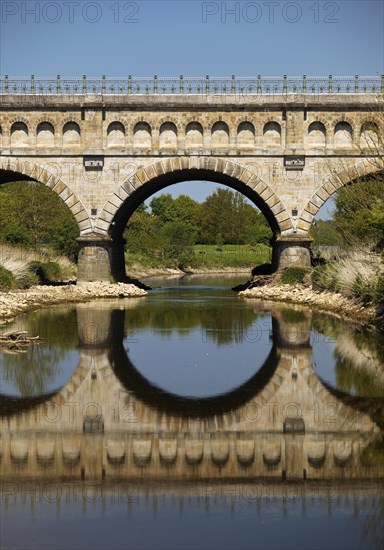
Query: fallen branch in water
x=16, y=341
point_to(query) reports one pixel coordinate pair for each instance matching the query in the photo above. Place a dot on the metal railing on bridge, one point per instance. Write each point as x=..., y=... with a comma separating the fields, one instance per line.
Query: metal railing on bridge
x=257, y=85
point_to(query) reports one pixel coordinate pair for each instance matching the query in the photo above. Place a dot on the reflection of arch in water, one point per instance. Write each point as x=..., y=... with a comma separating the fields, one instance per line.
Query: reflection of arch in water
x=373, y=406
x=160, y=399
x=131, y=380
x=10, y=405
x=111, y=345
x=168, y=402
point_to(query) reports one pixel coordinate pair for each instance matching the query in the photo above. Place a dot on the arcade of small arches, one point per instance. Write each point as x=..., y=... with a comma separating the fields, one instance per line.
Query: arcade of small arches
x=172, y=136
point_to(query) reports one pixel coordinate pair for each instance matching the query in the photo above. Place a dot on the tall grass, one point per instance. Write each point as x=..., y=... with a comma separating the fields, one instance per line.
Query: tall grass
x=358, y=275
x=17, y=261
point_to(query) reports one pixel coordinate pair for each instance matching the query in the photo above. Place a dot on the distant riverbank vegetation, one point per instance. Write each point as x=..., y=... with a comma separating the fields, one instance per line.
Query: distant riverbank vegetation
x=223, y=231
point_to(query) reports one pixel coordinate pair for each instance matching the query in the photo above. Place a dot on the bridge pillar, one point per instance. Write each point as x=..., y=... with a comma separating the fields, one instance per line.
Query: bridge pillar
x=291, y=251
x=101, y=258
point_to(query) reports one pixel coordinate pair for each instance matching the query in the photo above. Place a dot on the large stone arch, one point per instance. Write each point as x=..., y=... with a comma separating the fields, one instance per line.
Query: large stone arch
x=106, y=244
x=14, y=169
x=156, y=176
x=337, y=178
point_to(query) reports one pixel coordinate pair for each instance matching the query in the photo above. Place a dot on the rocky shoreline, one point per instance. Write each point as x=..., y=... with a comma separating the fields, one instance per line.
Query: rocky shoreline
x=16, y=302
x=329, y=302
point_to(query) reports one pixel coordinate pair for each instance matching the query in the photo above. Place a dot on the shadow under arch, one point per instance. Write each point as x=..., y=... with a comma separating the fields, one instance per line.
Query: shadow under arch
x=239, y=178
x=12, y=170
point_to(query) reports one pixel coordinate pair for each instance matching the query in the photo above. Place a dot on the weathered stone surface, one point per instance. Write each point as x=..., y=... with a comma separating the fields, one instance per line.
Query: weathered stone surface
x=292, y=162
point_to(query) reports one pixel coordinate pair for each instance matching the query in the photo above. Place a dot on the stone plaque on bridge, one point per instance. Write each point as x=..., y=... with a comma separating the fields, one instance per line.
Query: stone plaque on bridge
x=294, y=162
x=93, y=163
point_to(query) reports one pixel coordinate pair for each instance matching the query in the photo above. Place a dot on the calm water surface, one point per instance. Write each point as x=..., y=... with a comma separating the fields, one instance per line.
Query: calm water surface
x=192, y=418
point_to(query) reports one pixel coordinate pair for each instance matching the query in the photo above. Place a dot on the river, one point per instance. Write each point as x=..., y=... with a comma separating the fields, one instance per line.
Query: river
x=192, y=418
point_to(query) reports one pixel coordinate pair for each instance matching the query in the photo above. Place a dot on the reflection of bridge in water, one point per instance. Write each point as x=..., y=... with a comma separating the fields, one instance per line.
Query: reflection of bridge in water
x=109, y=422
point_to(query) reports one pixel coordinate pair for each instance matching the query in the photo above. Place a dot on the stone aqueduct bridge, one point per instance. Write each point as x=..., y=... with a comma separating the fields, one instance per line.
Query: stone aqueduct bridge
x=106, y=146
x=109, y=422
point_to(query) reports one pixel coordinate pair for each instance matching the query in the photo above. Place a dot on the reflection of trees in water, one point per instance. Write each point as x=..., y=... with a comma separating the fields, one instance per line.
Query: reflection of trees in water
x=372, y=528
x=220, y=323
x=359, y=357
x=359, y=354
x=56, y=326
x=292, y=316
x=350, y=379
x=31, y=372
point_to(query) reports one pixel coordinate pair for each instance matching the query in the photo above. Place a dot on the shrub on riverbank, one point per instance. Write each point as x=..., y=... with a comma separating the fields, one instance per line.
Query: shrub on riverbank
x=17, y=260
x=293, y=275
x=7, y=280
x=47, y=272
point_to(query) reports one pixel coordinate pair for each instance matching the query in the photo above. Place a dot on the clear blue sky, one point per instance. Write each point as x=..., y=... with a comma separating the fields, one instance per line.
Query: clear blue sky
x=191, y=37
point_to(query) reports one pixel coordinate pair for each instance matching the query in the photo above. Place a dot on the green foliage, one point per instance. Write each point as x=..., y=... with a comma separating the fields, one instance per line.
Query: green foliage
x=46, y=272
x=325, y=233
x=359, y=213
x=166, y=234
x=27, y=279
x=51, y=271
x=293, y=316
x=7, y=280
x=353, y=278
x=143, y=233
x=178, y=241
x=326, y=277
x=293, y=275
x=33, y=216
x=363, y=289
x=226, y=214
x=206, y=257
x=162, y=208
x=379, y=294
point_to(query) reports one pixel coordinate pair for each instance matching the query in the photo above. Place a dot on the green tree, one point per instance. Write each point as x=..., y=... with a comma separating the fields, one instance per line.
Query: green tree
x=143, y=232
x=187, y=211
x=256, y=229
x=172, y=226
x=217, y=218
x=227, y=213
x=179, y=240
x=32, y=215
x=325, y=233
x=163, y=207
x=359, y=213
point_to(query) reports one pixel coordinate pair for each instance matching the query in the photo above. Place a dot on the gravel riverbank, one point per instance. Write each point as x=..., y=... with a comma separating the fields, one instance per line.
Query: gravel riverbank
x=325, y=301
x=14, y=303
